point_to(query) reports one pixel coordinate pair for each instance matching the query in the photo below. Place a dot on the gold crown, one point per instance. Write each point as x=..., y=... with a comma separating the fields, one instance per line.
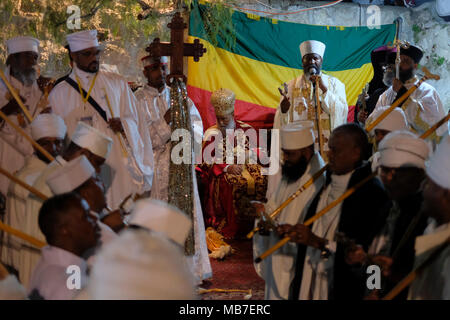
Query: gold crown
x=223, y=101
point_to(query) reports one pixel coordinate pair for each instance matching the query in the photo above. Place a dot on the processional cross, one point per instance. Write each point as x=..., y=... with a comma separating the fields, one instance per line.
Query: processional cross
x=176, y=49
x=181, y=176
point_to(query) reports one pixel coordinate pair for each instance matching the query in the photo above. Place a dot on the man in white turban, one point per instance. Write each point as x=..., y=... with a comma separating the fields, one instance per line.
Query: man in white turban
x=401, y=169
x=298, y=102
x=70, y=232
x=21, y=64
x=141, y=265
x=154, y=110
x=433, y=283
x=104, y=101
x=48, y=130
x=300, y=163
x=85, y=141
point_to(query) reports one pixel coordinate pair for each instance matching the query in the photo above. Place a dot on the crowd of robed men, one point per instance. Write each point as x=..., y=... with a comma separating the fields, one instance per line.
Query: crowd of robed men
x=119, y=148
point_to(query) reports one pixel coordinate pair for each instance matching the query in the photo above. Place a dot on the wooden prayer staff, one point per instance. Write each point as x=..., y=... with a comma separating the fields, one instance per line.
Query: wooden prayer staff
x=405, y=96
x=16, y=96
x=124, y=151
x=318, y=111
x=435, y=126
x=292, y=197
x=311, y=220
x=26, y=136
x=413, y=274
x=36, y=242
x=23, y=184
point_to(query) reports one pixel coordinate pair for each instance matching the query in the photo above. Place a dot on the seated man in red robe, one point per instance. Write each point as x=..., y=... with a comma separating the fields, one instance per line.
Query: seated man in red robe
x=230, y=173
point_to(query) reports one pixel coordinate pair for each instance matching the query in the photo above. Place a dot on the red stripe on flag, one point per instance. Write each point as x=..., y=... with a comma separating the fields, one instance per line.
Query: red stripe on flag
x=257, y=116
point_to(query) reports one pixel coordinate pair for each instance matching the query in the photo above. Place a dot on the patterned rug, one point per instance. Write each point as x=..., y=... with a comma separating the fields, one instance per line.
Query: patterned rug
x=234, y=272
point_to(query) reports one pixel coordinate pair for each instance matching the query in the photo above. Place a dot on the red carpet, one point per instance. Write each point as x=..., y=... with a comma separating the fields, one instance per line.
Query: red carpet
x=235, y=272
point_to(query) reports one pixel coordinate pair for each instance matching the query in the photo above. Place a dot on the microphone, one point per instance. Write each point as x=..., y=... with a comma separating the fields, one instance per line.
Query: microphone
x=312, y=72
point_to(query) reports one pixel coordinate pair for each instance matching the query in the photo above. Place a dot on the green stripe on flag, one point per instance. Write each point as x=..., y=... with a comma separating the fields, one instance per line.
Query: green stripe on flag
x=278, y=43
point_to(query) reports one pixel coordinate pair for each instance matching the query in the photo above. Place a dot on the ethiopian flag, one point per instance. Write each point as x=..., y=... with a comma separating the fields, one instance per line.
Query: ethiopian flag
x=264, y=53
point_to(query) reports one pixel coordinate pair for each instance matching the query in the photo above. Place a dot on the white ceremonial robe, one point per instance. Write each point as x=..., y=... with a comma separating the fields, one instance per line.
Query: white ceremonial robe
x=300, y=94
x=278, y=269
x=13, y=248
x=423, y=108
x=152, y=107
x=122, y=175
x=434, y=282
x=14, y=148
x=318, y=272
x=50, y=278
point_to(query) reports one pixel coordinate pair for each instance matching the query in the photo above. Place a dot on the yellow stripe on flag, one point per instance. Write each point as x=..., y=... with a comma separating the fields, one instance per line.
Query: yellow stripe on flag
x=257, y=82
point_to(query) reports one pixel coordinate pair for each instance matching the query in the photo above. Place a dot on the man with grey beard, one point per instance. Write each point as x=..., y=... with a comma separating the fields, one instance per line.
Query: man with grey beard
x=21, y=64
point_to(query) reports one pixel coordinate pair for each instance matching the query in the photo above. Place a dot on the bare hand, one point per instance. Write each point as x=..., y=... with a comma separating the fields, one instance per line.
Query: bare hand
x=355, y=256
x=114, y=220
x=322, y=85
x=12, y=107
x=362, y=116
x=116, y=125
x=283, y=230
x=45, y=84
x=168, y=116
x=234, y=169
x=285, y=103
x=384, y=262
x=301, y=234
x=397, y=85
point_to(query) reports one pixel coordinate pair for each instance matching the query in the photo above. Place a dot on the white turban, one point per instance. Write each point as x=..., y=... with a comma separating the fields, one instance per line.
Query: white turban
x=92, y=139
x=403, y=149
x=48, y=125
x=161, y=217
x=22, y=44
x=70, y=176
x=149, y=61
x=312, y=46
x=140, y=265
x=438, y=168
x=394, y=121
x=82, y=40
x=297, y=135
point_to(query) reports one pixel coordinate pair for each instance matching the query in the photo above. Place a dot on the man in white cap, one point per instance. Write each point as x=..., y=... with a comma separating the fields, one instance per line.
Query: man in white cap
x=321, y=271
x=300, y=162
x=434, y=281
x=401, y=169
x=141, y=265
x=87, y=141
x=154, y=107
x=424, y=107
x=21, y=64
x=70, y=231
x=48, y=130
x=161, y=217
x=298, y=102
x=396, y=120
x=79, y=176
x=104, y=101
